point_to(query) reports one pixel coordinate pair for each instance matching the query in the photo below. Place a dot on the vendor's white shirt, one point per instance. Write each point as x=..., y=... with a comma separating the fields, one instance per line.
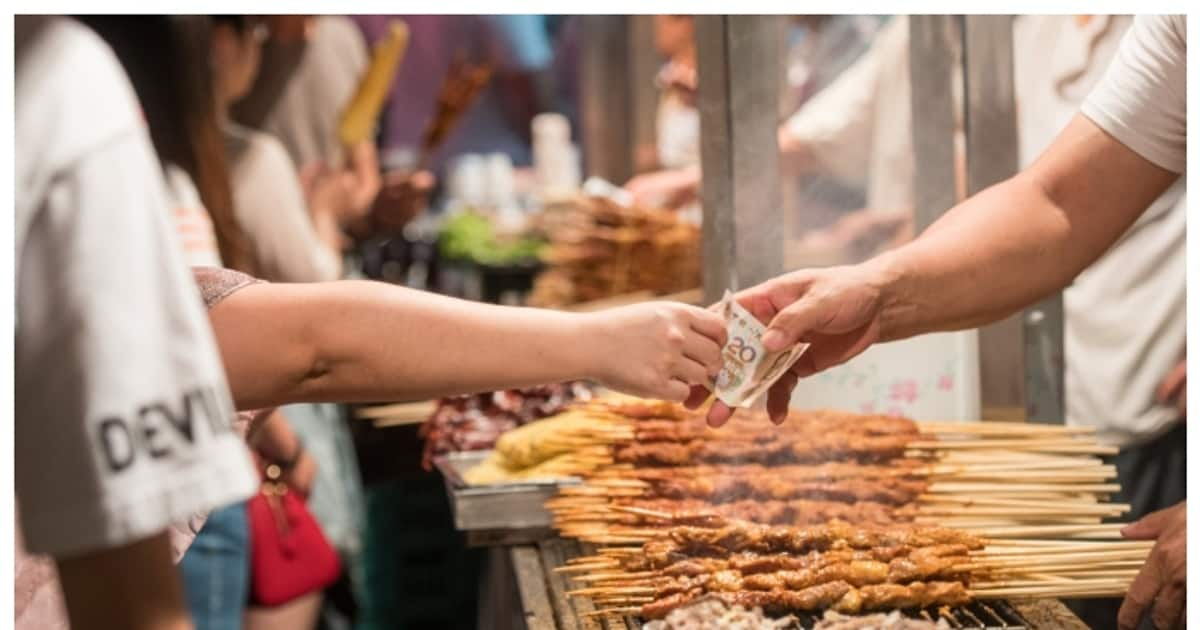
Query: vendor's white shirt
x=122, y=414
x=1126, y=313
x=1142, y=100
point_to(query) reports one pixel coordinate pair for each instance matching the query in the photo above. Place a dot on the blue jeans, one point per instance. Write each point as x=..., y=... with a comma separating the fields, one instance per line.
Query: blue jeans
x=216, y=570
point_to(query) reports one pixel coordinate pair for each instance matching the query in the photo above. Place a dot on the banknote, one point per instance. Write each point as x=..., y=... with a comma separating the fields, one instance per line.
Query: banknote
x=748, y=370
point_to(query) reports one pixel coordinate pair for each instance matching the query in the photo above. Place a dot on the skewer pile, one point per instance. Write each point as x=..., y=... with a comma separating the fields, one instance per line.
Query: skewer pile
x=820, y=466
x=846, y=568
x=600, y=249
x=834, y=511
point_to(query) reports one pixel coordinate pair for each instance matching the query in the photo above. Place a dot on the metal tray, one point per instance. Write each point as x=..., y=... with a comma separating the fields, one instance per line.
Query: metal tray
x=511, y=506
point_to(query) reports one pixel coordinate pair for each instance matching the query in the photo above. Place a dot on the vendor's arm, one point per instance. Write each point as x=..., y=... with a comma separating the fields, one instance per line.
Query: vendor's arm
x=369, y=341
x=1013, y=243
x=996, y=252
x=1020, y=240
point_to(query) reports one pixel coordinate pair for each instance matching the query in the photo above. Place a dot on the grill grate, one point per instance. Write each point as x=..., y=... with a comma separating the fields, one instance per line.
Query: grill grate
x=991, y=615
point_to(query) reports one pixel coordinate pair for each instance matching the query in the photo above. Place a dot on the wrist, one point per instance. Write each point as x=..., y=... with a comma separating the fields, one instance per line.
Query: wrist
x=886, y=276
x=586, y=345
x=288, y=462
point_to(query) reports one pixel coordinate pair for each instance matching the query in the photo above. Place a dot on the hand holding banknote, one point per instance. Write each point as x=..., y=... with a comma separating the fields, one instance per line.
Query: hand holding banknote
x=748, y=370
x=832, y=314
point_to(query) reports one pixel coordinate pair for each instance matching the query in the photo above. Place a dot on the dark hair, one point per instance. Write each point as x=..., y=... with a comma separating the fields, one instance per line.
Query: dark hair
x=167, y=60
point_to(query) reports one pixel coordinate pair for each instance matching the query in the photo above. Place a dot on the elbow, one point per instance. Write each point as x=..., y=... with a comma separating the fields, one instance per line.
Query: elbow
x=310, y=381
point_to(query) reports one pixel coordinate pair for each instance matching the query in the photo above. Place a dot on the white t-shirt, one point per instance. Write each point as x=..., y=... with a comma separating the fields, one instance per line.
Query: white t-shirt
x=122, y=414
x=1142, y=100
x=270, y=208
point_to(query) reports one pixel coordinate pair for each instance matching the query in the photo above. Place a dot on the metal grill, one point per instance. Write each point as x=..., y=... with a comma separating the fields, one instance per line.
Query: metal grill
x=992, y=615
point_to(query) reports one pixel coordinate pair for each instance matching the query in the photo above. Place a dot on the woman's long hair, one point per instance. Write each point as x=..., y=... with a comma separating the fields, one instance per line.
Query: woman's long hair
x=167, y=60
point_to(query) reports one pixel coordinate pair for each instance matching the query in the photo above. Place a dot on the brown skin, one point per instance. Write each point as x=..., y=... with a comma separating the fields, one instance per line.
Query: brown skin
x=132, y=586
x=1160, y=588
x=1173, y=390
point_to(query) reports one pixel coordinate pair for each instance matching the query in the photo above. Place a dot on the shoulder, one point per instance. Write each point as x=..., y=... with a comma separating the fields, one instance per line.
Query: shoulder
x=217, y=283
x=257, y=153
x=340, y=29
x=71, y=95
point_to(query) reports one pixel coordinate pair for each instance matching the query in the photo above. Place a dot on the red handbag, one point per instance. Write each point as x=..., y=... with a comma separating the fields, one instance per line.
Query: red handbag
x=289, y=554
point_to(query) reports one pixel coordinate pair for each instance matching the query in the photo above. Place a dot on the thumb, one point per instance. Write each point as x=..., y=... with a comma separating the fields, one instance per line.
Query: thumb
x=791, y=324
x=1148, y=527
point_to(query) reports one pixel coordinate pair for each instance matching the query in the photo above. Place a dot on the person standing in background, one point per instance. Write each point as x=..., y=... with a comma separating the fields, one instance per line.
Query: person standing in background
x=520, y=52
x=311, y=67
x=819, y=49
x=293, y=229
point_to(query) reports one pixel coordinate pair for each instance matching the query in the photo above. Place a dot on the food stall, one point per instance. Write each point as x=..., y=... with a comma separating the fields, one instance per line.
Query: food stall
x=611, y=514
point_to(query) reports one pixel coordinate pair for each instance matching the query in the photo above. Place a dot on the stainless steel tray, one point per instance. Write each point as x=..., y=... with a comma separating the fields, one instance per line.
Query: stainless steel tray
x=499, y=506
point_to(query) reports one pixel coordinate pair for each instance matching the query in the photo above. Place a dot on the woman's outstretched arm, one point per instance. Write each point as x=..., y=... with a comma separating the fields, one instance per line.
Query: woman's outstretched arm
x=356, y=341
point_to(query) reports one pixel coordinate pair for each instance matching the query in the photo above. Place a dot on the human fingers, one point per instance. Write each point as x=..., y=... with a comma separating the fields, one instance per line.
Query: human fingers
x=1175, y=380
x=1168, y=606
x=779, y=397
x=699, y=394
x=1149, y=526
x=793, y=323
x=690, y=372
x=704, y=351
x=718, y=414
x=674, y=390
x=1141, y=594
x=708, y=323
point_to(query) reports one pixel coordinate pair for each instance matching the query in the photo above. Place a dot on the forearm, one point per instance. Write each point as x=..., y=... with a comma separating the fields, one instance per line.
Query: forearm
x=135, y=586
x=1020, y=240
x=368, y=341
x=985, y=259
